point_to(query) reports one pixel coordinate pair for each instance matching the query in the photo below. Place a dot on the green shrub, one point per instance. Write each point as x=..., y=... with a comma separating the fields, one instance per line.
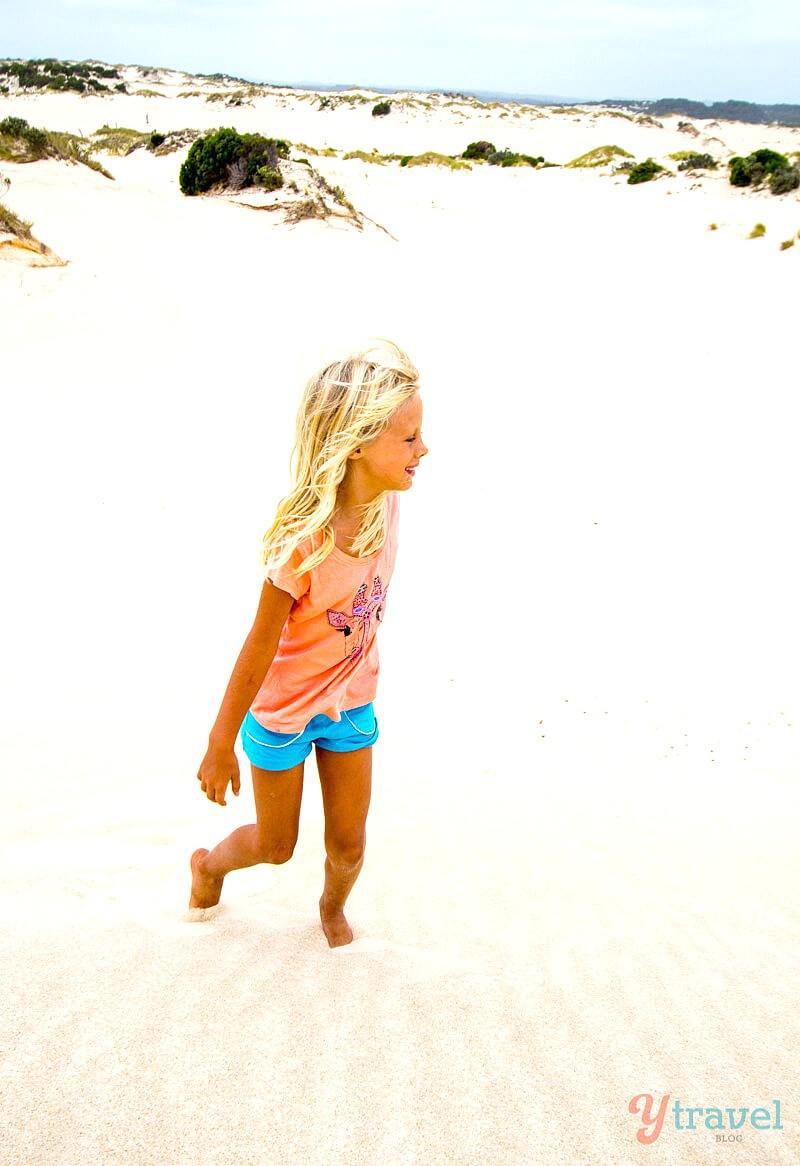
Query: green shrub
x=35, y=140
x=381, y=109
x=752, y=170
x=15, y=127
x=212, y=158
x=268, y=178
x=786, y=244
x=479, y=150
x=782, y=181
x=758, y=230
x=643, y=171
x=157, y=140
x=698, y=162
x=512, y=158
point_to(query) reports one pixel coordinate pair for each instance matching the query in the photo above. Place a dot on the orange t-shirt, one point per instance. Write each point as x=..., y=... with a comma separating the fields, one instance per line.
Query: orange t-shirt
x=327, y=655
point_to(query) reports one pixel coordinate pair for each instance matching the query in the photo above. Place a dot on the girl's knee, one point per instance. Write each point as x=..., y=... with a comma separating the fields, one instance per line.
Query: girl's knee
x=344, y=854
x=275, y=852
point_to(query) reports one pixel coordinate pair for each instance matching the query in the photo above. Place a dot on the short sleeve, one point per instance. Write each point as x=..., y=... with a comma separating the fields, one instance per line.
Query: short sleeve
x=286, y=576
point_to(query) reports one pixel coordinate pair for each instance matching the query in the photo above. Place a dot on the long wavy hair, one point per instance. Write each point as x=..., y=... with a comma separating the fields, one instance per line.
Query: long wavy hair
x=345, y=405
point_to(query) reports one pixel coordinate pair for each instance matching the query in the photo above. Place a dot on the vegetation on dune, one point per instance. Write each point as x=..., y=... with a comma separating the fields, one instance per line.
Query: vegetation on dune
x=487, y=152
x=226, y=163
x=381, y=109
x=11, y=224
x=758, y=230
x=118, y=140
x=325, y=152
x=21, y=143
x=431, y=158
x=744, y=111
x=765, y=166
x=644, y=171
x=229, y=159
x=20, y=236
x=479, y=150
x=697, y=161
x=233, y=97
x=363, y=156
x=50, y=73
x=600, y=156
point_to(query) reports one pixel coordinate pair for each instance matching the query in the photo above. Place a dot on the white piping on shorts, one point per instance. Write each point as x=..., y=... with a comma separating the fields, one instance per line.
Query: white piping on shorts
x=283, y=745
x=269, y=744
x=361, y=731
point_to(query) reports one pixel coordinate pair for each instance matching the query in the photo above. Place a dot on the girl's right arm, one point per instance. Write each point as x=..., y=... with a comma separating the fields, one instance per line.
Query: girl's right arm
x=219, y=766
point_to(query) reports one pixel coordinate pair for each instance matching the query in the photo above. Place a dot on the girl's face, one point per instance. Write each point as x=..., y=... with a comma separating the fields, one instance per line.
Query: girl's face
x=388, y=462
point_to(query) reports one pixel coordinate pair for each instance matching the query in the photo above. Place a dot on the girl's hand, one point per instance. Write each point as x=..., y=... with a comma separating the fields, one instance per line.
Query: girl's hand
x=219, y=766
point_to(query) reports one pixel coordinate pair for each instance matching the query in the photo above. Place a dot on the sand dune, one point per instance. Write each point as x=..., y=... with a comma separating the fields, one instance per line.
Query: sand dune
x=580, y=882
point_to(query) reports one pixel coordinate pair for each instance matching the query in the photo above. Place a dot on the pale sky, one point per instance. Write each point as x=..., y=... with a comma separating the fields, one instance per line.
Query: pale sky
x=712, y=50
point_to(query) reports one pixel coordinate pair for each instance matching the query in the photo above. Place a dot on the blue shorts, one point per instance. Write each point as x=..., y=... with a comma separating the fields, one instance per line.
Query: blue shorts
x=269, y=750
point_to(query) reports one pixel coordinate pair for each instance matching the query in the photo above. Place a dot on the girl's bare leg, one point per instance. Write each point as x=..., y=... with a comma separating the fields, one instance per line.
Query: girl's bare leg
x=271, y=838
x=346, y=780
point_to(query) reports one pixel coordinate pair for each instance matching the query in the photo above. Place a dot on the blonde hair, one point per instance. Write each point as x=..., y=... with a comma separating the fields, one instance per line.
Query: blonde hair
x=345, y=405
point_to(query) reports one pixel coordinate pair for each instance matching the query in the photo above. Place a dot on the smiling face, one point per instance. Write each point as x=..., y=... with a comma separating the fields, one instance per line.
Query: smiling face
x=394, y=455
x=384, y=463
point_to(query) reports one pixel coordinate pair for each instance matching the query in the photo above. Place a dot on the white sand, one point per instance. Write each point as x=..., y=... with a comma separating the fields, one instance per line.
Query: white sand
x=580, y=881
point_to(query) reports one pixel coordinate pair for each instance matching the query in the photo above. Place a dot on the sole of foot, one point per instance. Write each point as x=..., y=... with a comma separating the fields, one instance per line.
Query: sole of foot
x=337, y=930
x=205, y=890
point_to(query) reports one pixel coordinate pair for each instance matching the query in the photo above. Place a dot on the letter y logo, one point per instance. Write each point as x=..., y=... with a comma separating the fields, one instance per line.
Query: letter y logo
x=651, y=1126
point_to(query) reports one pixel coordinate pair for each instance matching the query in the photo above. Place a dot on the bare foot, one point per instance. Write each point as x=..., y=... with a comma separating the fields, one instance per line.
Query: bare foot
x=205, y=889
x=337, y=930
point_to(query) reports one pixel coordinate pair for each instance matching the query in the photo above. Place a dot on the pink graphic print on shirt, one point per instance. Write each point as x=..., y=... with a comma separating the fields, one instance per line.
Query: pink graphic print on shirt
x=355, y=626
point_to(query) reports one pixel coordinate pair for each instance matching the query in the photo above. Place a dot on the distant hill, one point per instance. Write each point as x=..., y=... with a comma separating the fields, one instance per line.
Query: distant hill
x=785, y=115
x=97, y=77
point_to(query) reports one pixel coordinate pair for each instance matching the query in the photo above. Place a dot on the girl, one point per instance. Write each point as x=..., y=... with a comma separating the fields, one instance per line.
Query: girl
x=308, y=670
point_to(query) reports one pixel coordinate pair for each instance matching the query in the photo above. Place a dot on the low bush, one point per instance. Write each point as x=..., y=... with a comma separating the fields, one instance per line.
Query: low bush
x=510, y=158
x=24, y=143
x=157, y=140
x=758, y=230
x=218, y=157
x=698, y=162
x=754, y=169
x=381, y=109
x=479, y=150
x=644, y=171
x=15, y=127
x=268, y=178
x=782, y=181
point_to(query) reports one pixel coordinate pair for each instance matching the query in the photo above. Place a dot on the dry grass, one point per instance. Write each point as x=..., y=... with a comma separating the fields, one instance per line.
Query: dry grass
x=597, y=157
x=118, y=140
x=431, y=158
x=22, y=240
